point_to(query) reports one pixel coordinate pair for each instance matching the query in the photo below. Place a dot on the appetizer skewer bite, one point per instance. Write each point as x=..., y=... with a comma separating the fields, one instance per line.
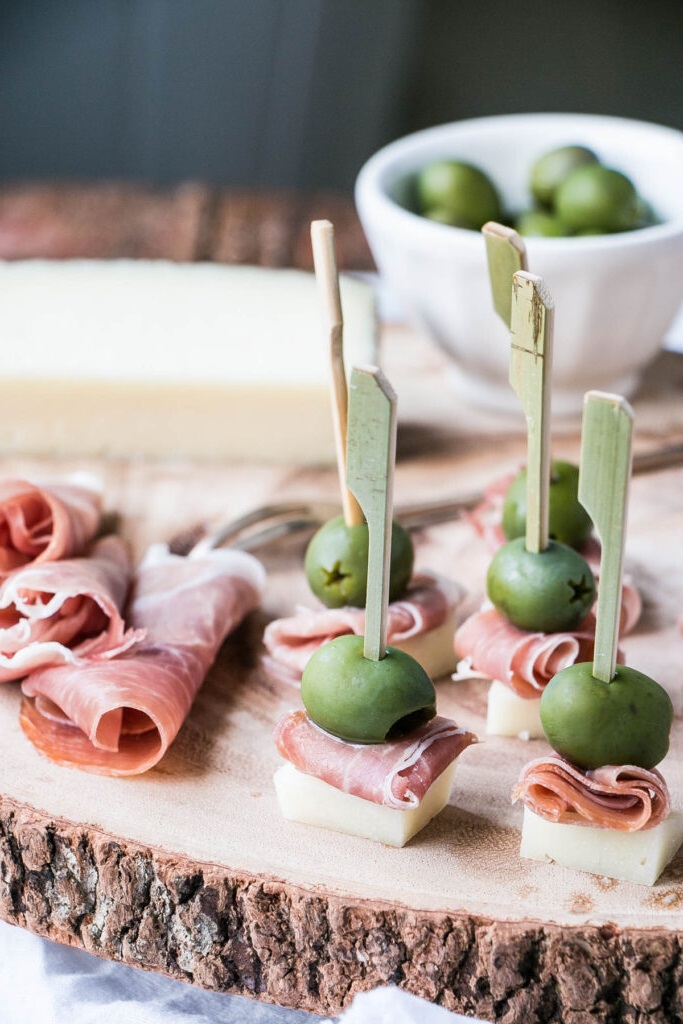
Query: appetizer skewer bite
x=598, y=803
x=369, y=756
x=541, y=590
x=425, y=609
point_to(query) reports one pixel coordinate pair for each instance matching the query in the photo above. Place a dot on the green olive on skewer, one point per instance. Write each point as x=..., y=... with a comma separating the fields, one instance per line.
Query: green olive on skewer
x=365, y=701
x=568, y=521
x=336, y=563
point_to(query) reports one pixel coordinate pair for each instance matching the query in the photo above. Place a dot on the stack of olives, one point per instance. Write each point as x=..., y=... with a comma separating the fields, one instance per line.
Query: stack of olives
x=553, y=590
x=573, y=192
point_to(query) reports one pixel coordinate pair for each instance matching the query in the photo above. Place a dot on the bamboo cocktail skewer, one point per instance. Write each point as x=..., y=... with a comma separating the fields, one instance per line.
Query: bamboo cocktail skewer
x=531, y=327
x=605, y=472
x=371, y=456
x=327, y=276
x=505, y=255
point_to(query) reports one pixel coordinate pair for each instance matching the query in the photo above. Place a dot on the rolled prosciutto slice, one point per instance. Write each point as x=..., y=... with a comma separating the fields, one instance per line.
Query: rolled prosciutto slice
x=67, y=611
x=291, y=641
x=621, y=797
x=493, y=648
x=44, y=523
x=119, y=717
x=395, y=774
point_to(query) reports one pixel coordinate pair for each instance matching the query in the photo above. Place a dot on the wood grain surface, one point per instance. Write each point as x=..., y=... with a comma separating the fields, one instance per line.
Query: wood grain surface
x=190, y=870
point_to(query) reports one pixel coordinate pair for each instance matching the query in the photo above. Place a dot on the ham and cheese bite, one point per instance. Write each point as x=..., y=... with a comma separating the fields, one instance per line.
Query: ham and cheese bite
x=521, y=661
x=421, y=623
x=597, y=802
x=119, y=716
x=387, y=792
x=42, y=523
x=368, y=756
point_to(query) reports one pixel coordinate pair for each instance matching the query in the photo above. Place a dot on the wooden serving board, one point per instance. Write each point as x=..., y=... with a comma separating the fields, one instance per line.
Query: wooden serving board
x=190, y=870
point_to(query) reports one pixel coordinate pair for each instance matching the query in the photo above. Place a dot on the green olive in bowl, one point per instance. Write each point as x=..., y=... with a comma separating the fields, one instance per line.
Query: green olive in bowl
x=550, y=170
x=336, y=563
x=598, y=197
x=540, y=224
x=550, y=591
x=593, y=723
x=365, y=701
x=460, y=194
x=568, y=520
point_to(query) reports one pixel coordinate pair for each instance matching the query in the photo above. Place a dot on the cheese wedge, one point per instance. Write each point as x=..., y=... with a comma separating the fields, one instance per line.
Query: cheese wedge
x=311, y=801
x=628, y=856
x=510, y=715
x=152, y=358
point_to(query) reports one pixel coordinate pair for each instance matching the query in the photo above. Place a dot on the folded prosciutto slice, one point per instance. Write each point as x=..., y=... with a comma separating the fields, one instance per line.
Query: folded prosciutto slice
x=118, y=717
x=291, y=641
x=395, y=774
x=493, y=648
x=66, y=611
x=44, y=523
x=621, y=797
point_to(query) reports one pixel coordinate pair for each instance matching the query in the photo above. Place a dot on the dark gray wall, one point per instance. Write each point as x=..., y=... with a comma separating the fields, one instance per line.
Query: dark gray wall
x=299, y=92
x=263, y=92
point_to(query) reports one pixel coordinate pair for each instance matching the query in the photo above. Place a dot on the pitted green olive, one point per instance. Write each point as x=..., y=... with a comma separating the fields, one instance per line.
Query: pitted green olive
x=336, y=563
x=568, y=520
x=551, y=169
x=548, y=592
x=365, y=701
x=461, y=193
x=592, y=723
x=598, y=197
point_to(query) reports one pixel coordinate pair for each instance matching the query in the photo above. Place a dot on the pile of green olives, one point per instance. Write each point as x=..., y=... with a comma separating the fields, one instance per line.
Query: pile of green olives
x=568, y=520
x=573, y=194
x=365, y=701
x=593, y=723
x=336, y=563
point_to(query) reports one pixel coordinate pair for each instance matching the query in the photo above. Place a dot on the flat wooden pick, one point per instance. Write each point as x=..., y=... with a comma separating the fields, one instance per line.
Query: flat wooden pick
x=530, y=370
x=327, y=276
x=371, y=456
x=505, y=254
x=604, y=475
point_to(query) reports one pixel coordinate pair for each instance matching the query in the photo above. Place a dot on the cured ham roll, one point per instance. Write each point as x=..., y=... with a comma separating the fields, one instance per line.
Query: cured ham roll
x=422, y=623
x=525, y=662
x=119, y=717
x=45, y=523
x=623, y=797
x=66, y=612
x=381, y=791
x=614, y=821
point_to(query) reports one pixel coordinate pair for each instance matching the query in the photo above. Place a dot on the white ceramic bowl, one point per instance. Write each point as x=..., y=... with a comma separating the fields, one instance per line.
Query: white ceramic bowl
x=615, y=295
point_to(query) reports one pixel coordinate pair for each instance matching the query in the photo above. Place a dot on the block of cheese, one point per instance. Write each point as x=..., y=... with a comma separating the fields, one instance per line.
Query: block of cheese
x=510, y=715
x=628, y=856
x=153, y=358
x=311, y=801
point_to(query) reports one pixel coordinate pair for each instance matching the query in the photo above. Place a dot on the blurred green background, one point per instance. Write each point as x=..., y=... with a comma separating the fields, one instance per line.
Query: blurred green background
x=298, y=93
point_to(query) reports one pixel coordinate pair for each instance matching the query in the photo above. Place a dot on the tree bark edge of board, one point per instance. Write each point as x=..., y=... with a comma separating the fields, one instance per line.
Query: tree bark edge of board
x=231, y=932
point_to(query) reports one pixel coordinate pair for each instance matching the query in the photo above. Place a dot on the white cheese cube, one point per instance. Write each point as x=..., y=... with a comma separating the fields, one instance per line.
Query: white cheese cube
x=196, y=360
x=434, y=650
x=628, y=856
x=510, y=715
x=311, y=801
